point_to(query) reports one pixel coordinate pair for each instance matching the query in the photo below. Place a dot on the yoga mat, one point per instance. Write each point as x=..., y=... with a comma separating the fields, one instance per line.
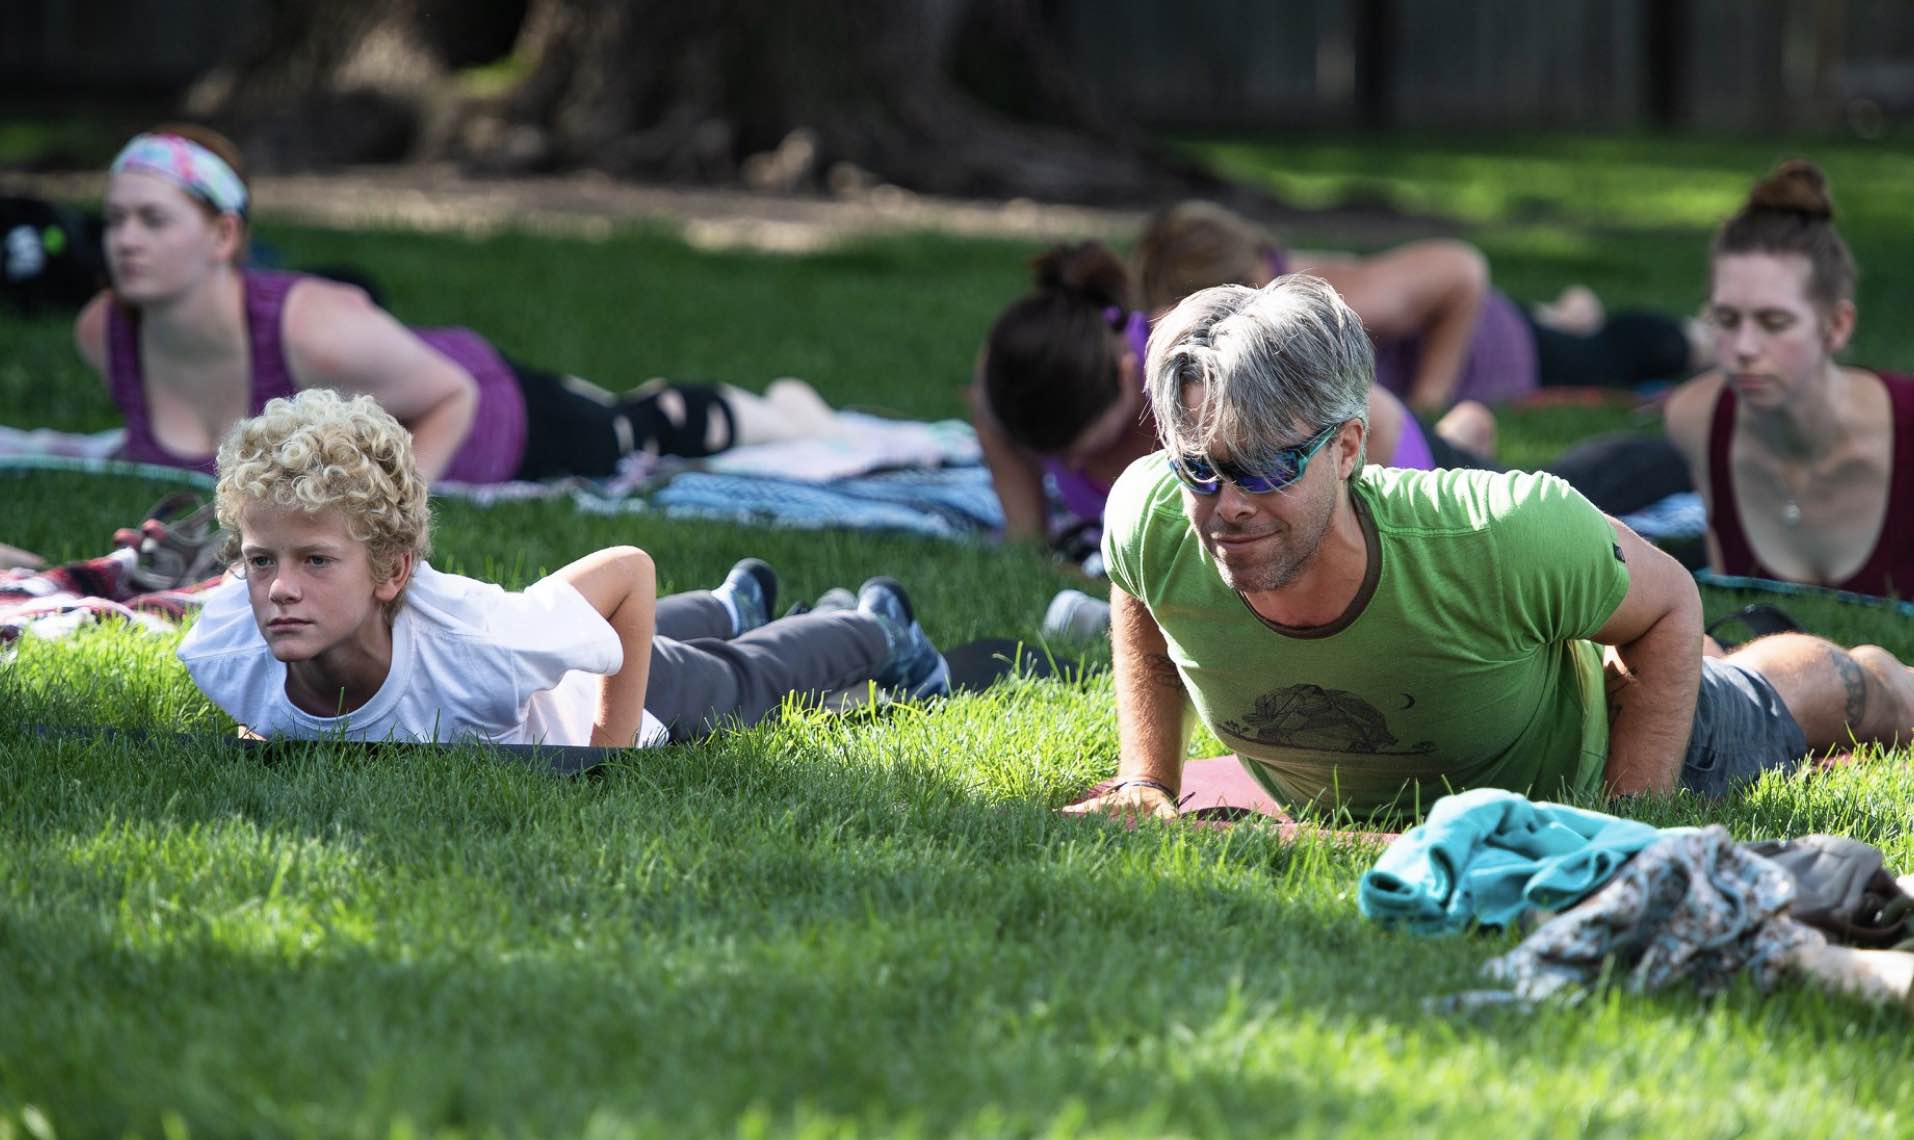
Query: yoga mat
x=563, y=760
x=979, y=664
x=1219, y=792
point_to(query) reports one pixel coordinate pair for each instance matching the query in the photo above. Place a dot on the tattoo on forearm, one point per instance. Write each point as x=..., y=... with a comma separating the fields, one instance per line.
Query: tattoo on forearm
x=1162, y=671
x=1618, y=685
x=1854, y=681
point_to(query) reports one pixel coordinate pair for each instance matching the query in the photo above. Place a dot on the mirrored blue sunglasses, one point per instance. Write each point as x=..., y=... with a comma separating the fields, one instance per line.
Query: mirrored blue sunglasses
x=1206, y=476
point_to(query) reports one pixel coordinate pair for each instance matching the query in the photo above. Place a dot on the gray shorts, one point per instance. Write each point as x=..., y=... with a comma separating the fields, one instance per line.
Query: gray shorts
x=1741, y=730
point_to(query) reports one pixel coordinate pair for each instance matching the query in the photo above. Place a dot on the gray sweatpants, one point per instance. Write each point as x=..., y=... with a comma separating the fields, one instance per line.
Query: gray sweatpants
x=702, y=677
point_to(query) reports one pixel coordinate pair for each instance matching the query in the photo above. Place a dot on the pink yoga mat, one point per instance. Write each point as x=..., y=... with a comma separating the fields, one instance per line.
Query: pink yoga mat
x=1218, y=792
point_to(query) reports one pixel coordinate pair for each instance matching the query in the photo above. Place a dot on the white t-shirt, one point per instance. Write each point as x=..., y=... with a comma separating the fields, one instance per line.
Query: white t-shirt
x=470, y=660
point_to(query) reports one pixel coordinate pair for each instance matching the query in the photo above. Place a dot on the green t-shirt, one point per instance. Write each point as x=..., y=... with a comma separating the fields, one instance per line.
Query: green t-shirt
x=1466, y=664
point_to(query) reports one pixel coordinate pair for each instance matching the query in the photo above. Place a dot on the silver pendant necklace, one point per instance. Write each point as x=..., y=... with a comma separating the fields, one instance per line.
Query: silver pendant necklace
x=1791, y=484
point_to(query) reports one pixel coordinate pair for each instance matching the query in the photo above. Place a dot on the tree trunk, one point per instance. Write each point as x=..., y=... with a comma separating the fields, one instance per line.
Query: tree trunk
x=346, y=80
x=961, y=97
x=797, y=95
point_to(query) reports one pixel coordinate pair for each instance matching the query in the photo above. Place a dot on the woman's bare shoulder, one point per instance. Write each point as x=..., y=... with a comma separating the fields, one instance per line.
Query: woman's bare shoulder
x=1689, y=410
x=1330, y=265
x=89, y=330
x=326, y=324
x=319, y=297
x=1871, y=386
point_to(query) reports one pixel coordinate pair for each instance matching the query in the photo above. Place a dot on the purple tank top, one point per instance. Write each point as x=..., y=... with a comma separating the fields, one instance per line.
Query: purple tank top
x=1501, y=363
x=1889, y=569
x=490, y=452
x=1412, y=447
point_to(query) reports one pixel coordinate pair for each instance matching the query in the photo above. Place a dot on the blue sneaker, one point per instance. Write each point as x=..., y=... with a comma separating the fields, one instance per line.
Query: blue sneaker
x=1076, y=616
x=915, y=669
x=750, y=593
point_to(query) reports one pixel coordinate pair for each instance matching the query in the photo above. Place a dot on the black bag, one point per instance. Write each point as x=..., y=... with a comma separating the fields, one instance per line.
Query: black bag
x=1841, y=888
x=52, y=257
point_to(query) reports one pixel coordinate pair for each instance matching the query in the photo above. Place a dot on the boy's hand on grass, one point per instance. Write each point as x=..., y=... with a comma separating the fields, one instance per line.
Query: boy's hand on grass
x=1137, y=801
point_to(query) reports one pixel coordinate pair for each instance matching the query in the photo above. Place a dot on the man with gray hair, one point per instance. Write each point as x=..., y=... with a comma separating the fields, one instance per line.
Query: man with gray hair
x=1370, y=638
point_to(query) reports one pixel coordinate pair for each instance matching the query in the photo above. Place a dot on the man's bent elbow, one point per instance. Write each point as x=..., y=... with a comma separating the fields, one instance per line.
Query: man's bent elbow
x=1687, y=616
x=1675, y=594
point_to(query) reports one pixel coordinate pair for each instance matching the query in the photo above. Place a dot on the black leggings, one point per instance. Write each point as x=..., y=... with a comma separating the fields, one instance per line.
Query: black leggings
x=576, y=428
x=1447, y=454
x=1622, y=472
x=1632, y=347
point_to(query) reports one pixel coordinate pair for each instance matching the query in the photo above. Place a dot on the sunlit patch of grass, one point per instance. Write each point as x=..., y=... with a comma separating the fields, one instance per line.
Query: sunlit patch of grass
x=1633, y=181
x=494, y=79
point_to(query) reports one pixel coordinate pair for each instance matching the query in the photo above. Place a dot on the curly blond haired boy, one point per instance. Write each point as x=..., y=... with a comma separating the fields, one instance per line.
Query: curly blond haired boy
x=334, y=624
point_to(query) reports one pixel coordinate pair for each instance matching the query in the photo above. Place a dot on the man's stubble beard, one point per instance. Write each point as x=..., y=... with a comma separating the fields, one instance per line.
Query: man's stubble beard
x=1289, y=555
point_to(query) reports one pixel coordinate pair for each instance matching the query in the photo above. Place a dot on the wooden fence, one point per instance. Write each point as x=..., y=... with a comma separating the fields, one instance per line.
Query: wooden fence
x=1737, y=65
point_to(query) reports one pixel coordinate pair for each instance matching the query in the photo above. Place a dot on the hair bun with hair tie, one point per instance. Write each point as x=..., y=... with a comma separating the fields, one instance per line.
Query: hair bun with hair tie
x=1796, y=186
x=1087, y=269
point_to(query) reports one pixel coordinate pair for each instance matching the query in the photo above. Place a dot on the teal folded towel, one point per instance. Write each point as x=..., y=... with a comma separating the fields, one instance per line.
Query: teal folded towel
x=1486, y=856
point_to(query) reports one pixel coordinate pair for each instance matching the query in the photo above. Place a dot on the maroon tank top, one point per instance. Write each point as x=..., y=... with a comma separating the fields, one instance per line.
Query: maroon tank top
x=1889, y=569
x=490, y=452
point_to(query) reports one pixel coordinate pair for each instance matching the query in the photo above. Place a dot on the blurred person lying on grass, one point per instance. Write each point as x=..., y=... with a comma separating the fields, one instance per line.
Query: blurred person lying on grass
x=333, y=623
x=1443, y=334
x=190, y=338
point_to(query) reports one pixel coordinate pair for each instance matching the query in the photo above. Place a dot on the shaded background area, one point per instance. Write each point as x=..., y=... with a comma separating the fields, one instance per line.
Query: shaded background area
x=1052, y=99
x=1205, y=64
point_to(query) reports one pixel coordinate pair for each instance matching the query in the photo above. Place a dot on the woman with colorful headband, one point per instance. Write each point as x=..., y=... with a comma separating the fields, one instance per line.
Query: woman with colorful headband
x=190, y=341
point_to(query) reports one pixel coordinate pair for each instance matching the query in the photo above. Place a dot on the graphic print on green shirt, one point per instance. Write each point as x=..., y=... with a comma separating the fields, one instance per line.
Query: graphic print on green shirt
x=1464, y=663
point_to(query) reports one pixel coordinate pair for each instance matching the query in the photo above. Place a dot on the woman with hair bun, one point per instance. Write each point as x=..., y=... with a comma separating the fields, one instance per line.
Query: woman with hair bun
x=190, y=340
x=1059, y=392
x=1806, y=464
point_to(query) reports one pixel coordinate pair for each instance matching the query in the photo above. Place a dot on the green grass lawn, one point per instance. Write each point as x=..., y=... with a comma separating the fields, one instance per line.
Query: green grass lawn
x=832, y=926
